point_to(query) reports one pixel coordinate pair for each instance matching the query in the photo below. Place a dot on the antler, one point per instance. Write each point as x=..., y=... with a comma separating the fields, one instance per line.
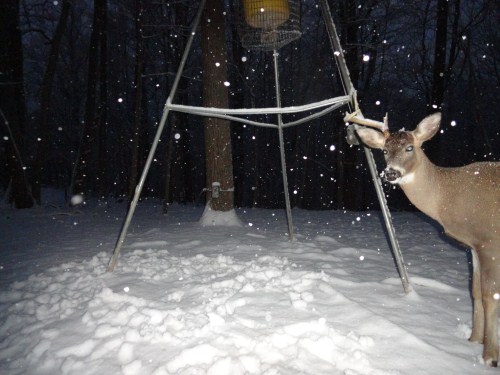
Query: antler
x=357, y=118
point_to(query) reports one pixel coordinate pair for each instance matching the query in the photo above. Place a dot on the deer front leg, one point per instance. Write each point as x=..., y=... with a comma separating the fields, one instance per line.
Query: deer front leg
x=490, y=288
x=490, y=352
x=477, y=334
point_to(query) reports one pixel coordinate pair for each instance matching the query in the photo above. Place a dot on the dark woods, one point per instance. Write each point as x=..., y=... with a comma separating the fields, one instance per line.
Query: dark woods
x=83, y=84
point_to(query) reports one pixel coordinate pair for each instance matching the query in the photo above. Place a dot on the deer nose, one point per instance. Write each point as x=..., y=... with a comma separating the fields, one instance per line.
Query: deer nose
x=391, y=174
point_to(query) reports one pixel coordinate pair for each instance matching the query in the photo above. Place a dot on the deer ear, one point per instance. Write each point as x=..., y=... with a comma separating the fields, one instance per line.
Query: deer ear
x=428, y=127
x=371, y=138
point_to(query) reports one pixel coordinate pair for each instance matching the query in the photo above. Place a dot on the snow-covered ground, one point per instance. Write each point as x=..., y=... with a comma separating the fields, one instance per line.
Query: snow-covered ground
x=193, y=299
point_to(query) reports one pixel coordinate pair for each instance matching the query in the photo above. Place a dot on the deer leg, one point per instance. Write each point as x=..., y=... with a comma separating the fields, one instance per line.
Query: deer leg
x=490, y=286
x=477, y=334
x=490, y=352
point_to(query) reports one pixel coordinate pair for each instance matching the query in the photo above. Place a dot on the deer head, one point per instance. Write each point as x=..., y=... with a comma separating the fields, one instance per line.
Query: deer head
x=403, y=149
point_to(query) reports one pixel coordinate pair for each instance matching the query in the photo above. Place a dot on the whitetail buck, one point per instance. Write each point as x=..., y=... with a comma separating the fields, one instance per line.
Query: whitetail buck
x=464, y=200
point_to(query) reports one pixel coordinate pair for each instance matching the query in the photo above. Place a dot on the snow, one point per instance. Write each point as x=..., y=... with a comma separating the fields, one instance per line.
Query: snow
x=192, y=299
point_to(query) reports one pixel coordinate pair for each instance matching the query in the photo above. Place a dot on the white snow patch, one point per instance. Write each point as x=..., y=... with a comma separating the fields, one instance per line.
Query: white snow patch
x=237, y=300
x=219, y=218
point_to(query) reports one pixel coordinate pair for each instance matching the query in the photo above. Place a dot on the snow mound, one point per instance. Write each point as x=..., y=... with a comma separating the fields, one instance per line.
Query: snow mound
x=227, y=218
x=76, y=318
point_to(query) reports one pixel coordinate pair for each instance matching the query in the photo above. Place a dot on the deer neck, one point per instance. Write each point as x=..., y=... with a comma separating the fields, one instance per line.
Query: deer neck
x=423, y=188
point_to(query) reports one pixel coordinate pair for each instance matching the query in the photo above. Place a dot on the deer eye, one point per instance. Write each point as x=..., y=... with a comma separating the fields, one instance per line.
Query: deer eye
x=385, y=151
x=409, y=149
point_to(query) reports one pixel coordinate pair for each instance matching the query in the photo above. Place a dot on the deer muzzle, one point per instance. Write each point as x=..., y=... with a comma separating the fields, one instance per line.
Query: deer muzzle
x=392, y=175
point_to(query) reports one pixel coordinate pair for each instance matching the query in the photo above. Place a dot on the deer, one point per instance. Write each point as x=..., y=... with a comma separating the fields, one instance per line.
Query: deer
x=465, y=201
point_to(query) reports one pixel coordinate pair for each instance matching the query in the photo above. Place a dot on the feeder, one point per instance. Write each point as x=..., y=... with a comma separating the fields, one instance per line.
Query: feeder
x=266, y=14
x=269, y=24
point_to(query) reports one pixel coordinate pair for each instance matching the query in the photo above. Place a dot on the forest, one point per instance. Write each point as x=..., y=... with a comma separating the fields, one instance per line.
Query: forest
x=83, y=85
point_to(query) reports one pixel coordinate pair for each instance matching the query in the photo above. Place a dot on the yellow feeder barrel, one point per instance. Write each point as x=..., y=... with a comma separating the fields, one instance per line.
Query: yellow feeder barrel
x=266, y=14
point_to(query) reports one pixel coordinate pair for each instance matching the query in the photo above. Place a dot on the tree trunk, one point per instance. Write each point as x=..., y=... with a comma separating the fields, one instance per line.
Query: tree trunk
x=12, y=101
x=139, y=63
x=82, y=183
x=103, y=105
x=218, y=153
x=486, y=148
x=45, y=94
x=348, y=194
x=439, y=68
x=439, y=73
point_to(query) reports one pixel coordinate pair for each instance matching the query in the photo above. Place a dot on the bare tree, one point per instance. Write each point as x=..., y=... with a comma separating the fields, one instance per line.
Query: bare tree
x=102, y=104
x=12, y=101
x=81, y=181
x=139, y=67
x=45, y=96
x=439, y=68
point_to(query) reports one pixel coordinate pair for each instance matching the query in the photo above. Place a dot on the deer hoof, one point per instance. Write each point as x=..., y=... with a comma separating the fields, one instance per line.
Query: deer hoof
x=492, y=363
x=476, y=340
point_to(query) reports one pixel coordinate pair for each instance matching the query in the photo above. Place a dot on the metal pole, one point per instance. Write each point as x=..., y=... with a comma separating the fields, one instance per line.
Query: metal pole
x=282, y=149
x=398, y=255
x=349, y=89
x=152, y=151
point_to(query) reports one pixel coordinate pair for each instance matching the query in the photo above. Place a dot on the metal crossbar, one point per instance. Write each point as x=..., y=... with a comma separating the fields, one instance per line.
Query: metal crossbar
x=231, y=114
x=259, y=111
